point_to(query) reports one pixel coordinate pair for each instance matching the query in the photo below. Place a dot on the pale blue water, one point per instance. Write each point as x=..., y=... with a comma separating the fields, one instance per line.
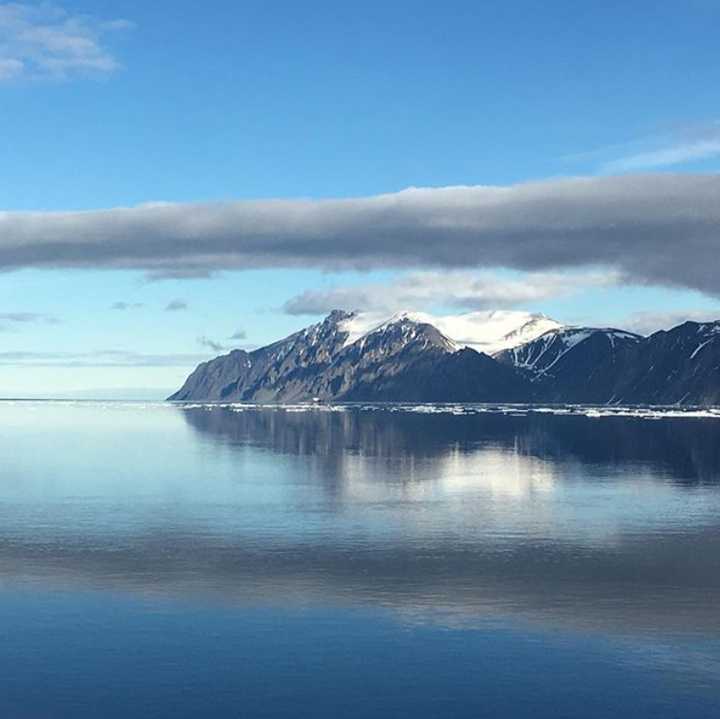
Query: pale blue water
x=160, y=561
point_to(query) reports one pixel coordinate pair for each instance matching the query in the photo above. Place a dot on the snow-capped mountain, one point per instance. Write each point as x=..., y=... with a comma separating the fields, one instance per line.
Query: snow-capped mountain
x=404, y=327
x=610, y=366
x=405, y=357
x=548, y=354
x=420, y=357
x=484, y=331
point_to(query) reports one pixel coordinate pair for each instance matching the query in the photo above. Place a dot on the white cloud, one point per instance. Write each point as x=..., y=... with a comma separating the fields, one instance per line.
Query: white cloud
x=665, y=156
x=46, y=43
x=683, y=144
x=10, y=69
x=460, y=290
x=645, y=323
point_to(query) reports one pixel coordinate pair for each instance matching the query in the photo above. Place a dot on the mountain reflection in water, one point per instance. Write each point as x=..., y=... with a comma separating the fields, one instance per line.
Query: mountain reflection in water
x=685, y=450
x=516, y=529
x=552, y=518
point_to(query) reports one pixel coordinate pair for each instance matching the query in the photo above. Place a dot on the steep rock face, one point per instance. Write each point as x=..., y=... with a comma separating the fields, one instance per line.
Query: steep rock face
x=548, y=354
x=575, y=365
x=212, y=381
x=376, y=365
x=279, y=372
x=407, y=361
x=680, y=366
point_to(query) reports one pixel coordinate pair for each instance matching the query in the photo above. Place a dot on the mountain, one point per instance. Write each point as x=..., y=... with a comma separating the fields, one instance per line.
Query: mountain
x=408, y=360
x=574, y=365
x=402, y=359
x=550, y=353
x=280, y=372
x=609, y=366
x=411, y=358
x=678, y=366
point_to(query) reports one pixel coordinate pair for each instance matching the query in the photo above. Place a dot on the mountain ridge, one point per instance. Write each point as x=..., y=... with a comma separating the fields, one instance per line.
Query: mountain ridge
x=408, y=358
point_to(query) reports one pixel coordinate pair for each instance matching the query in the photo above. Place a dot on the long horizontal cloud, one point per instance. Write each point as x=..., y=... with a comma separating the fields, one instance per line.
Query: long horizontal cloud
x=652, y=228
x=99, y=358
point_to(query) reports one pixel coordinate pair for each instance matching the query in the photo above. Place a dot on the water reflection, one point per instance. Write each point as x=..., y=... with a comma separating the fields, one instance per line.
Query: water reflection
x=686, y=450
x=608, y=525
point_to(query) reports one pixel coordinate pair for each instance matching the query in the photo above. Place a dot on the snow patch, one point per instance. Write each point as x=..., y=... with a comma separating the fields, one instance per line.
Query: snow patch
x=699, y=347
x=484, y=331
x=555, y=344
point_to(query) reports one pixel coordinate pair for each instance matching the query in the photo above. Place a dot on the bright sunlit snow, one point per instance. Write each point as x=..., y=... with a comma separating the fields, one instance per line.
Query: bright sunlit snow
x=485, y=331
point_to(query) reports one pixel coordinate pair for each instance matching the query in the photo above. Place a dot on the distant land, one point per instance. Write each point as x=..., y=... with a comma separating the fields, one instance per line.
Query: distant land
x=489, y=356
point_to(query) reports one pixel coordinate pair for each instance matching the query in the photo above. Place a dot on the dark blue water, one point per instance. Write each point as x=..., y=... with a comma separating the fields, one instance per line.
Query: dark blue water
x=158, y=561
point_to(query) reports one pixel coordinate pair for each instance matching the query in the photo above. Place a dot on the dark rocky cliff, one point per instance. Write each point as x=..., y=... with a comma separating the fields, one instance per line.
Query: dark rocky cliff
x=406, y=360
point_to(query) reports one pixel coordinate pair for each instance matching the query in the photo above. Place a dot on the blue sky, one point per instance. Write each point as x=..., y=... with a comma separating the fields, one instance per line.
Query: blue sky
x=128, y=103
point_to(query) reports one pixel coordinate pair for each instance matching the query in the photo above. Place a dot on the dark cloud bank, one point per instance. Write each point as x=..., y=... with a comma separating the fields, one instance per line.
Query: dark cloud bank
x=661, y=228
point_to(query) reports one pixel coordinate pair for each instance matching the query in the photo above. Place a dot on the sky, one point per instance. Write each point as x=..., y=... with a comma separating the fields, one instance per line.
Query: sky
x=182, y=178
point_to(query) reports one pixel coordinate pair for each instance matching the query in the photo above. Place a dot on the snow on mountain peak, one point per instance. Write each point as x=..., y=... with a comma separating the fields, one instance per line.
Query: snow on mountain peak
x=485, y=331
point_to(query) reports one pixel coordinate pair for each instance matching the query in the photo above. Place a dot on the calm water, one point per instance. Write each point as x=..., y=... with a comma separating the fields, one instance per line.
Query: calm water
x=158, y=561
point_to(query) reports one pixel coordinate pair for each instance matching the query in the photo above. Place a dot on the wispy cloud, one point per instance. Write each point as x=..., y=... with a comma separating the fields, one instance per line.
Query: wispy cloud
x=180, y=273
x=645, y=323
x=460, y=290
x=124, y=306
x=176, y=306
x=99, y=358
x=10, y=321
x=665, y=156
x=682, y=145
x=43, y=42
x=204, y=341
x=633, y=224
x=238, y=335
